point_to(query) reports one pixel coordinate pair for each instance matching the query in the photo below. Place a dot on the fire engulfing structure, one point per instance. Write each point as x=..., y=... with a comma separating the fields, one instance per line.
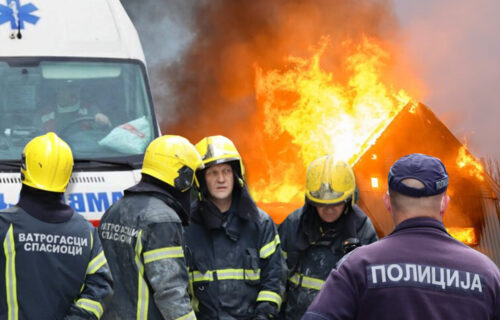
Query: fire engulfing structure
x=473, y=215
x=290, y=81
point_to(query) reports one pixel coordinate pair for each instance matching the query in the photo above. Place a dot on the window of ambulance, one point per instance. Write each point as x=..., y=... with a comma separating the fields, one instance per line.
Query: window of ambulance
x=101, y=108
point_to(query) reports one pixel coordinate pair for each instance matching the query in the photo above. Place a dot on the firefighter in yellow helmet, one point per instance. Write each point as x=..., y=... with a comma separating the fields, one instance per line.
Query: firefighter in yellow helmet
x=316, y=236
x=53, y=263
x=234, y=251
x=142, y=236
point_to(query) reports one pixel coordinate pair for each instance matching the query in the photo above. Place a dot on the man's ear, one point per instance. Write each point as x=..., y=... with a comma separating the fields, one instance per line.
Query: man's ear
x=445, y=201
x=387, y=202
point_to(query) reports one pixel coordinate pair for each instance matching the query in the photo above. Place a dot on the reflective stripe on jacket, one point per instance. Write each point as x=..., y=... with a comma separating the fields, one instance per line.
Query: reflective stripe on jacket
x=51, y=270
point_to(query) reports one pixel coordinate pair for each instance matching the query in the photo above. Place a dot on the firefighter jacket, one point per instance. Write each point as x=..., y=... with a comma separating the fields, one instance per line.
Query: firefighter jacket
x=417, y=272
x=312, y=248
x=142, y=238
x=235, y=263
x=51, y=270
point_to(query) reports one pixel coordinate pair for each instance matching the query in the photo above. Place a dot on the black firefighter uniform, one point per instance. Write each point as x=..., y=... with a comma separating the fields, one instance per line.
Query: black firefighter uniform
x=142, y=238
x=51, y=270
x=236, y=267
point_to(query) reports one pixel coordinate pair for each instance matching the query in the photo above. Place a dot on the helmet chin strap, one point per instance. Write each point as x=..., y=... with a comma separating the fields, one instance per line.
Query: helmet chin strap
x=347, y=207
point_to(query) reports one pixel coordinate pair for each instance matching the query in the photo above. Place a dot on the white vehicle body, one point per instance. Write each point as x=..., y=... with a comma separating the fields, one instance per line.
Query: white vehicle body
x=92, y=46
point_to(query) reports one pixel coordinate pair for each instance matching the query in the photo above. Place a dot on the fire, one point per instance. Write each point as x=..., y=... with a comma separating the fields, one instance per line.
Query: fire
x=465, y=235
x=465, y=160
x=307, y=112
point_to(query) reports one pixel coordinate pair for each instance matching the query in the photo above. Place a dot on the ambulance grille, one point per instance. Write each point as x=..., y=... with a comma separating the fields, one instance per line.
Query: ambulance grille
x=88, y=179
x=10, y=180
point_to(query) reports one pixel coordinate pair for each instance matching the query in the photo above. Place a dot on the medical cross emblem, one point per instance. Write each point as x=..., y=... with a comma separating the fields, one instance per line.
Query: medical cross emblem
x=17, y=14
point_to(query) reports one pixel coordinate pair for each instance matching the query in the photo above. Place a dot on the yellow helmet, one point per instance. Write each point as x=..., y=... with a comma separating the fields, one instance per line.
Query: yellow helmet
x=330, y=182
x=47, y=163
x=173, y=160
x=219, y=149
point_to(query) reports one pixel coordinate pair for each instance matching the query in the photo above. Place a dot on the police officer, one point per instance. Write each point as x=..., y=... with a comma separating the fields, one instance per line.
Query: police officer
x=316, y=236
x=51, y=259
x=418, y=271
x=142, y=236
x=234, y=253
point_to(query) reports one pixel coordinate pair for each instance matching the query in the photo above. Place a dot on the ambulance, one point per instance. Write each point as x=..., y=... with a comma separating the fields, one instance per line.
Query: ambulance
x=75, y=67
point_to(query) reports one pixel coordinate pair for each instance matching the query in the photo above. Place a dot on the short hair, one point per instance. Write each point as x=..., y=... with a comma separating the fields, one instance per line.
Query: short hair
x=404, y=203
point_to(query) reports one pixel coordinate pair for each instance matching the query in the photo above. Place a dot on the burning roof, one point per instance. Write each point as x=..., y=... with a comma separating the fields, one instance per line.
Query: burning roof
x=473, y=214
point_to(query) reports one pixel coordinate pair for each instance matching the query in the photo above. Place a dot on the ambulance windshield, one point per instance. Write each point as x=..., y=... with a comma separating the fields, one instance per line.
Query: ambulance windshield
x=101, y=108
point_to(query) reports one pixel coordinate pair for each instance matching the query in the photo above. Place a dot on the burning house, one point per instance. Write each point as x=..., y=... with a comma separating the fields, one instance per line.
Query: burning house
x=473, y=215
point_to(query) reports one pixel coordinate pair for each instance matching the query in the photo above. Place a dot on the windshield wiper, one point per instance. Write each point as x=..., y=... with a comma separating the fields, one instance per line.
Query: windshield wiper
x=107, y=163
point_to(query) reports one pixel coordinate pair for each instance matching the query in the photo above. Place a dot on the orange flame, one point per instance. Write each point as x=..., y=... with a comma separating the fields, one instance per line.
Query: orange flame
x=322, y=113
x=465, y=235
x=473, y=167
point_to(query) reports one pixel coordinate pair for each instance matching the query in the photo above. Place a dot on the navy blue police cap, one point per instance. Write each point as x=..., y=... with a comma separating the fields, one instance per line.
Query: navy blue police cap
x=426, y=169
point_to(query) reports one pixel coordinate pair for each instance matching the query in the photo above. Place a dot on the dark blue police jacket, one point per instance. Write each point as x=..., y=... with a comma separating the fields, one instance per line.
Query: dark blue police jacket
x=417, y=272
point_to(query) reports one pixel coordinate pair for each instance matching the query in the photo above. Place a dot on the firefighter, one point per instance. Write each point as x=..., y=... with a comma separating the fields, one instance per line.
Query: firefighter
x=142, y=236
x=52, y=262
x=316, y=236
x=418, y=271
x=235, y=264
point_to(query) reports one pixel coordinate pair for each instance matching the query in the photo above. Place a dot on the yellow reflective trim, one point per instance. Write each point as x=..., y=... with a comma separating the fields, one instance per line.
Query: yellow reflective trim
x=91, y=240
x=189, y=316
x=195, y=303
x=91, y=306
x=9, y=248
x=225, y=274
x=163, y=253
x=283, y=252
x=197, y=276
x=269, y=248
x=142, y=287
x=230, y=274
x=270, y=296
x=96, y=263
x=307, y=282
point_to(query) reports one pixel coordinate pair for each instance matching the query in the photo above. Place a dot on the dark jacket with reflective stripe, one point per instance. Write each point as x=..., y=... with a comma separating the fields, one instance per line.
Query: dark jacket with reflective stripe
x=142, y=238
x=312, y=252
x=51, y=270
x=235, y=263
x=417, y=272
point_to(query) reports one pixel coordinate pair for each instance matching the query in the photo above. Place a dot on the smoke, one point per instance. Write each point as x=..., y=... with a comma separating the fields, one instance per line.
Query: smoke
x=165, y=30
x=454, y=45
x=214, y=81
x=201, y=56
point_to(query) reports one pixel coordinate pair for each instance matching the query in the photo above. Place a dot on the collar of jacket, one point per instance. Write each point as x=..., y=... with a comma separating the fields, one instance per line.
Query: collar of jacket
x=242, y=209
x=158, y=192
x=44, y=205
x=309, y=227
x=420, y=222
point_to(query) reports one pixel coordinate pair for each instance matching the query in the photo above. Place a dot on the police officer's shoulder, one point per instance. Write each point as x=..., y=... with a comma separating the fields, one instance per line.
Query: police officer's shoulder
x=481, y=261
